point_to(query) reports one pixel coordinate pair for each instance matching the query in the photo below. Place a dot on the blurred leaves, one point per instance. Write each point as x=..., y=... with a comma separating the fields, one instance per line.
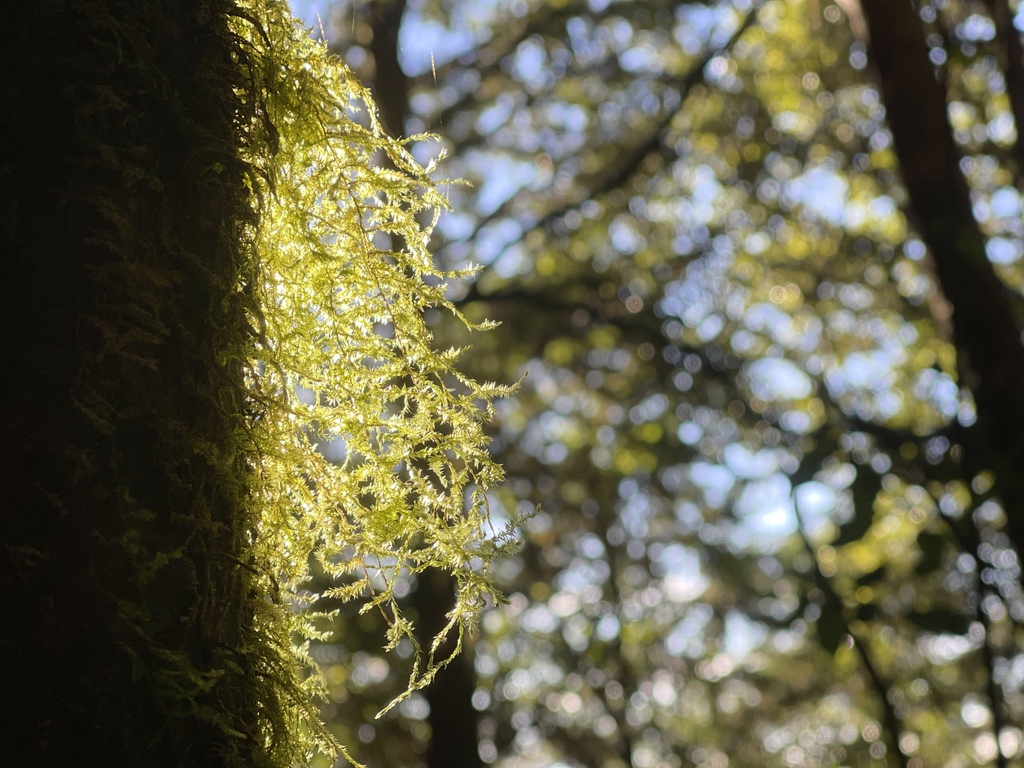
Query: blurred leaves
x=695, y=236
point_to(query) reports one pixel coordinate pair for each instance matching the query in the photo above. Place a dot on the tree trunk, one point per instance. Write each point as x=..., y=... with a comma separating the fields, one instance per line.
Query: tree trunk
x=990, y=356
x=453, y=720
x=128, y=633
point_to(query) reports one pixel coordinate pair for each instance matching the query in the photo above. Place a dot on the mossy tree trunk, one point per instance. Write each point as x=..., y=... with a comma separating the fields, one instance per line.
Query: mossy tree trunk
x=127, y=599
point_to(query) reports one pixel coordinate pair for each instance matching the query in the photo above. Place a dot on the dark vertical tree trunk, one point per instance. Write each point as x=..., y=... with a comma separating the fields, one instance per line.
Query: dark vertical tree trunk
x=453, y=721
x=390, y=84
x=985, y=331
x=127, y=618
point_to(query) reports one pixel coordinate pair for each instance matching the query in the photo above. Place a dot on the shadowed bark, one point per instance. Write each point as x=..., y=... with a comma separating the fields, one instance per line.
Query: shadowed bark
x=127, y=615
x=453, y=721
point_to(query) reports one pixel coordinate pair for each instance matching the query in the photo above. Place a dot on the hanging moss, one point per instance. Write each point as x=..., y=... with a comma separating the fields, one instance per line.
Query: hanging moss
x=344, y=355
x=211, y=275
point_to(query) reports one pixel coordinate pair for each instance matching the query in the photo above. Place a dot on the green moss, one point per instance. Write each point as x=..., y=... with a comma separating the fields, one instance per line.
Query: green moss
x=344, y=280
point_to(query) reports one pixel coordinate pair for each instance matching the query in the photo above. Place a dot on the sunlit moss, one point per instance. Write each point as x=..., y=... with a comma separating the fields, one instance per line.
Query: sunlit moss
x=341, y=359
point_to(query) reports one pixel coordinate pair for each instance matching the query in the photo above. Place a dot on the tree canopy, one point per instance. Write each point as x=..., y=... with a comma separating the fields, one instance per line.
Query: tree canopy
x=762, y=261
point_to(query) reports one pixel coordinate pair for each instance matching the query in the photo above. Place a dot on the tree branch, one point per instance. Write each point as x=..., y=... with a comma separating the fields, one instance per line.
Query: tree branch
x=633, y=157
x=833, y=602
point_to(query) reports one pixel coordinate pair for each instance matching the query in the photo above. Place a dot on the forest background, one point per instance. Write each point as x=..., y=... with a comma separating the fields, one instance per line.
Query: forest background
x=762, y=262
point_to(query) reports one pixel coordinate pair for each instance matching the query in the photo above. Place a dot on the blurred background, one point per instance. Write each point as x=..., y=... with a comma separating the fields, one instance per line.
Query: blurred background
x=752, y=534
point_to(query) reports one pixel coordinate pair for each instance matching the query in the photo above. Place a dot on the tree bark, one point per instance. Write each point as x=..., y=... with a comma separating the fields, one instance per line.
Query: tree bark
x=390, y=84
x=128, y=615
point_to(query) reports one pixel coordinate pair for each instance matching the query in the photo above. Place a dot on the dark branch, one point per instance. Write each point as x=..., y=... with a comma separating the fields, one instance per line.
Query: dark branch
x=632, y=158
x=833, y=602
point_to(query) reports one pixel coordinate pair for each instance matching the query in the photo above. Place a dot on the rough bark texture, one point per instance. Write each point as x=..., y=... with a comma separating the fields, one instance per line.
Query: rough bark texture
x=127, y=612
x=985, y=331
